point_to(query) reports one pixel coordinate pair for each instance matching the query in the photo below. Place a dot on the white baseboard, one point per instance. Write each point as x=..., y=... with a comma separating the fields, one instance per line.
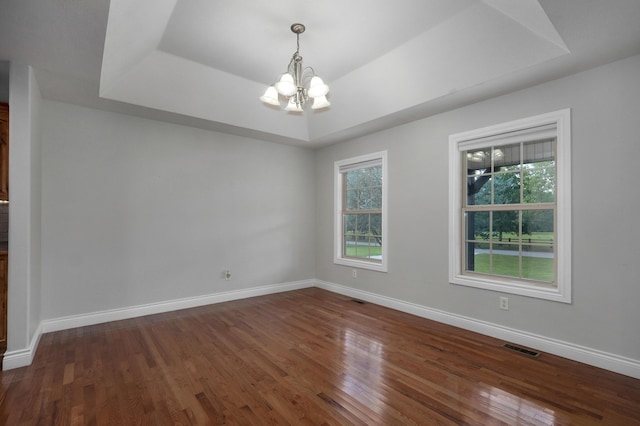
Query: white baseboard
x=82, y=320
x=597, y=358
x=627, y=366
x=22, y=357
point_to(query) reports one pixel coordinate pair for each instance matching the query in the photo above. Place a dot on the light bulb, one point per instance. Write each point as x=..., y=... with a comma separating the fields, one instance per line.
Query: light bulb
x=320, y=102
x=270, y=96
x=285, y=86
x=317, y=87
x=292, y=106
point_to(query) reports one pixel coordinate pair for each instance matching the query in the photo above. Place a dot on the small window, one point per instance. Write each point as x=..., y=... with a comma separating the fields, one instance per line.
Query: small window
x=510, y=207
x=360, y=219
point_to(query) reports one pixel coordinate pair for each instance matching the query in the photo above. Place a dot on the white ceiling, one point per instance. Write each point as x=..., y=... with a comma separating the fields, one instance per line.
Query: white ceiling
x=205, y=63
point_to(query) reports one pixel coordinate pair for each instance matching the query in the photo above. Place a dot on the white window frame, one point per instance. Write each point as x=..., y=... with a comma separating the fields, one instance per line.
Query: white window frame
x=495, y=136
x=353, y=163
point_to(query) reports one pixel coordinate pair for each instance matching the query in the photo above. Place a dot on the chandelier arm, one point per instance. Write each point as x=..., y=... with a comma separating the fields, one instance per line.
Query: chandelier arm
x=305, y=74
x=291, y=66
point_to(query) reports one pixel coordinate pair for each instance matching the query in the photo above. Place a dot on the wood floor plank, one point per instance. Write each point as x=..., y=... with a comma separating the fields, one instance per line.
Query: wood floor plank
x=305, y=357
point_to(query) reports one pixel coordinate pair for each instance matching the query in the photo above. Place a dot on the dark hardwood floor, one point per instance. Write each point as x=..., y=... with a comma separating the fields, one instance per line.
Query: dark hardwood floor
x=302, y=357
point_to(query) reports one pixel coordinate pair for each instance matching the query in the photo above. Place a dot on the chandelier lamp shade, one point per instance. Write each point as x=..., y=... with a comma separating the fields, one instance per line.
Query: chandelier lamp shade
x=298, y=84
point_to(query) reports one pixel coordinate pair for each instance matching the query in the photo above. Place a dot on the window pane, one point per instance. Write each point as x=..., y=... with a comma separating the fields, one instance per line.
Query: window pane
x=376, y=224
x=507, y=188
x=479, y=190
x=376, y=198
x=477, y=225
x=349, y=223
x=478, y=158
x=364, y=189
x=539, y=185
x=506, y=157
x=354, y=179
x=352, y=199
x=350, y=234
x=477, y=257
x=363, y=236
x=505, y=225
x=362, y=248
x=537, y=226
x=363, y=178
x=366, y=248
x=362, y=225
x=506, y=260
x=539, y=150
x=349, y=247
x=362, y=199
x=376, y=176
x=367, y=199
x=538, y=263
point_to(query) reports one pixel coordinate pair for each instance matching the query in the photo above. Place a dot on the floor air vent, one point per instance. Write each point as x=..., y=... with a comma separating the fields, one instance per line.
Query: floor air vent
x=524, y=351
x=360, y=302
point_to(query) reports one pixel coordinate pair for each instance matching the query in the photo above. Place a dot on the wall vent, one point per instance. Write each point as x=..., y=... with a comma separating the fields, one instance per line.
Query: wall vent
x=524, y=351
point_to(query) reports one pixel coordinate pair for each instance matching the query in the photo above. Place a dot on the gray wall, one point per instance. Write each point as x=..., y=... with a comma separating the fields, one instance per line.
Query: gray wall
x=136, y=211
x=606, y=237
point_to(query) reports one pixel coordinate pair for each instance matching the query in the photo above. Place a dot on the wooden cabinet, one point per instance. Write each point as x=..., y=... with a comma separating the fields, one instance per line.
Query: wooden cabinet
x=4, y=151
x=3, y=305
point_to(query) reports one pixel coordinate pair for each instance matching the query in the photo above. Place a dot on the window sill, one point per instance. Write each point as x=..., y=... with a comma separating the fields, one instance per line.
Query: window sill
x=513, y=287
x=361, y=264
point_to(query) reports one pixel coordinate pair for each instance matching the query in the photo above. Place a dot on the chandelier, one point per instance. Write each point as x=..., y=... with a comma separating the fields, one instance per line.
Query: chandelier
x=298, y=84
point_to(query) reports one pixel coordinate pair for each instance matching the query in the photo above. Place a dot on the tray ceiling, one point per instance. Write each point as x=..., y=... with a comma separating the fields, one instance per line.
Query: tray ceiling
x=205, y=63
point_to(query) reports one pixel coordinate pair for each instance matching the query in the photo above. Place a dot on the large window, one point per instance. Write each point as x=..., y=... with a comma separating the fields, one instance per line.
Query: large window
x=510, y=207
x=360, y=220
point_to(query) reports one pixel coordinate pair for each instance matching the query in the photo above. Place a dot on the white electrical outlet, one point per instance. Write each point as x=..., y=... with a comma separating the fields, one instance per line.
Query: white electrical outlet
x=504, y=303
x=354, y=273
